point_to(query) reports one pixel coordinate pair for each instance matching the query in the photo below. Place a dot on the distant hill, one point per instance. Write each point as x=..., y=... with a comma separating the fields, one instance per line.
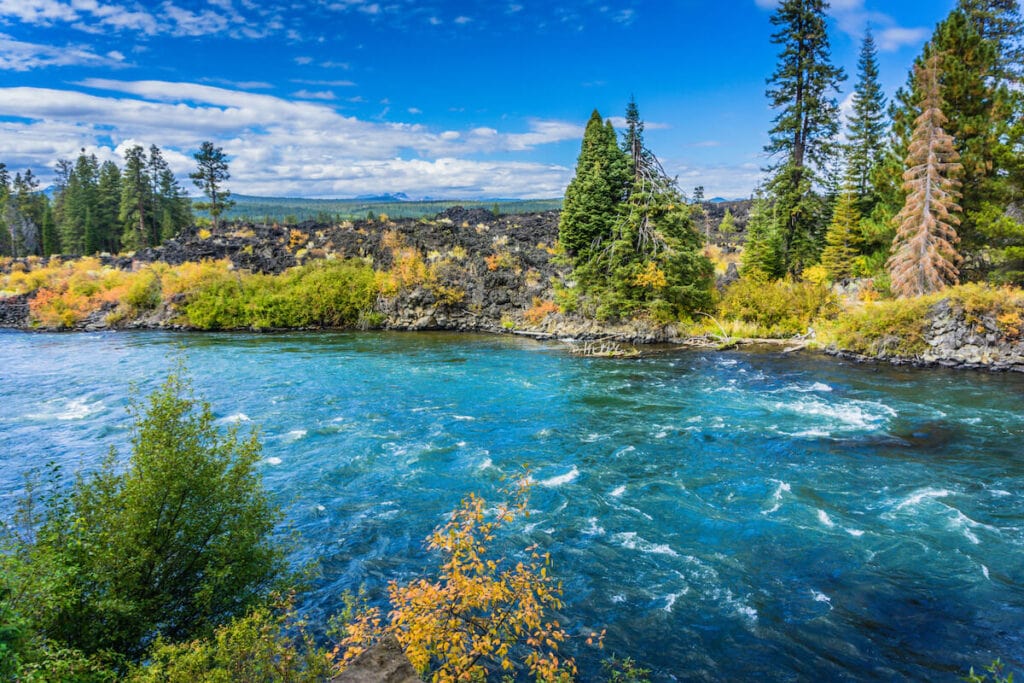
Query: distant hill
x=397, y=205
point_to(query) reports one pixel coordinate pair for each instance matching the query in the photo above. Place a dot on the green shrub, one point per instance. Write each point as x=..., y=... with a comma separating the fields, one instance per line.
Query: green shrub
x=173, y=545
x=143, y=293
x=778, y=308
x=320, y=294
x=257, y=647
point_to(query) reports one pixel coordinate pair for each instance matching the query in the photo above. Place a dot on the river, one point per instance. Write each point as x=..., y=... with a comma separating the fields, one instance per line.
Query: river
x=725, y=516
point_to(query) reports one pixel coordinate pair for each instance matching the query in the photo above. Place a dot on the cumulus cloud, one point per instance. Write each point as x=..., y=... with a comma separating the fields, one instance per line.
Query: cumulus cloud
x=277, y=146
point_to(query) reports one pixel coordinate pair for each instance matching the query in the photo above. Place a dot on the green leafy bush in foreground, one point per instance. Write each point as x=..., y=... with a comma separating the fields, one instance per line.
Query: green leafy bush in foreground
x=171, y=547
x=321, y=294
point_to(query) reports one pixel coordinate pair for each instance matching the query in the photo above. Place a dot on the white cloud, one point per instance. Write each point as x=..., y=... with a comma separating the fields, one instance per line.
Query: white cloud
x=895, y=37
x=277, y=146
x=304, y=94
x=16, y=55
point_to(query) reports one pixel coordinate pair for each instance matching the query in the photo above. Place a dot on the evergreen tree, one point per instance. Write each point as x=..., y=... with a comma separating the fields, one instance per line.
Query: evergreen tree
x=77, y=199
x=209, y=176
x=979, y=113
x=50, y=237
x=867, y=127
x=136, y=199
x=999, y=22
x=803, y=138
x=924, y=257
x=25, y=214
x=108, y=207
x=591, y=200
x=700, y=213
x=841, y=240
x=762, y=251
x=728, y=224
x=6, y=243
x=172, y=208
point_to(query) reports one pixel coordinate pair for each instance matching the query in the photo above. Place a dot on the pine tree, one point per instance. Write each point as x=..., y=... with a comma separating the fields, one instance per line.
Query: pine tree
x=728, y=224
x=980, y=110
x=50, y=237
x=999, y=22
x=6, y=241
x=803, y=138
x=26, y=219
x=762, y=251
x=108, y=207
x=924, y=257
x=209, y=176
x=867, y=127
x=172, y=209
x=841, y=240
x=589, y=209
x=136, y=199
x=77, y=198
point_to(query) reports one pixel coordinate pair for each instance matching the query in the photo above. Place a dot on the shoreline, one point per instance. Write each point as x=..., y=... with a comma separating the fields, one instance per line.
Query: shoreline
x=640, y=349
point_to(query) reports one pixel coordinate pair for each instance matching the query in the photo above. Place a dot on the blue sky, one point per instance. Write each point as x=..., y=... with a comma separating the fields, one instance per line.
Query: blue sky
x=338, y=98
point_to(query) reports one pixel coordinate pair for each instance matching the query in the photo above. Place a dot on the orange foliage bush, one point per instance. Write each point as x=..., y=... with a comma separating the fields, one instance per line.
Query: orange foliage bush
x=540, y=310
x=466, y=623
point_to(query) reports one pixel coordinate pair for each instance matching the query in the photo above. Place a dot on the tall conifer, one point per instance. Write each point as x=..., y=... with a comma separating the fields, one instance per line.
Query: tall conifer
x=924, y=256
x=867, y=127
x=842, y=239
x=593, y=195
x=803, y=139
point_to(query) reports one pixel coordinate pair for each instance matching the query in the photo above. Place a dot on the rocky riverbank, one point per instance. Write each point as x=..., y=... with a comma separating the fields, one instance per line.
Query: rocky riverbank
x=954, y=331
x=473, y=271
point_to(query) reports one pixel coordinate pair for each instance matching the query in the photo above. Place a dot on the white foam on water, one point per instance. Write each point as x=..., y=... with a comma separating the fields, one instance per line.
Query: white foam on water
x=74, y=409
x=618, y=597
x=918, y=497
x=561, y=479
x=782, y=487
x=812, y=434
x=593, y=528
x=630, y=540
x=486, y=463
x=464, y=418
x=320, y=508
x=820, y=597
x=273, y=460
x=856, y=533
x=825, y=519
x=592, y=437
x=296, y=434
x=847, y=415
x=671, y=598
x=964, y=524
x=984, y=570
x=235, y=418
x=999, y=492
x=618, y=491
x=623, y=451
x=695, y=419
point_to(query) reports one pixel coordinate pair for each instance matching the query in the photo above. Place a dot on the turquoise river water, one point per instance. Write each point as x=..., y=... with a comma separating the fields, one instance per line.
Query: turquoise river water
x=725, y=516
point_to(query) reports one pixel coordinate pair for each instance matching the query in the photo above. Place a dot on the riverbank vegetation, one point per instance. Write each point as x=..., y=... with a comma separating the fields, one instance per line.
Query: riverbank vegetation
x=167, y=568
